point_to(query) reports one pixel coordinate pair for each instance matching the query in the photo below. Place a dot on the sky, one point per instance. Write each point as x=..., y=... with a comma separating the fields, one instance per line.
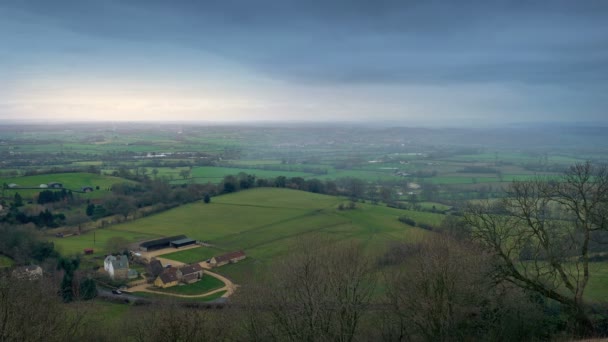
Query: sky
x=413, y=62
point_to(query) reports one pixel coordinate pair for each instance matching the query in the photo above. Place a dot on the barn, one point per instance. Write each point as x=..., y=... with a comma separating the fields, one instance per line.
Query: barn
x=160, y=243
x=182, y=242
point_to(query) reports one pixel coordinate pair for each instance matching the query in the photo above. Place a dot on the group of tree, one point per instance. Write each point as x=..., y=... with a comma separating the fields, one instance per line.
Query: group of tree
x=49, y=196
x=44, y=219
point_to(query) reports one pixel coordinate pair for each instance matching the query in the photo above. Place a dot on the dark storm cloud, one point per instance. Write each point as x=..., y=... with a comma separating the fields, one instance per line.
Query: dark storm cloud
x=362, y=41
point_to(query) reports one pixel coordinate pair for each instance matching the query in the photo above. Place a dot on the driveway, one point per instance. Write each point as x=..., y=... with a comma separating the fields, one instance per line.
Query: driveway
x=229, y=287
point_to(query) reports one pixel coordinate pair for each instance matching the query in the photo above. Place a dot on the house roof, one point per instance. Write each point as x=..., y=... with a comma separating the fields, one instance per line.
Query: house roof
x=168, y=276
x=156, y=267
x=161, y=241
x=189, y=269
x=118, y=262
x=229, y=256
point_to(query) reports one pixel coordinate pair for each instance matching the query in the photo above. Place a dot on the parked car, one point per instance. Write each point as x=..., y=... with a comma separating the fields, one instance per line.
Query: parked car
x=117, y=292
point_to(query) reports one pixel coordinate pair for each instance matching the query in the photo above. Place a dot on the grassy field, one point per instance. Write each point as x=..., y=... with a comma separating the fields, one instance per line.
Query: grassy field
x=95, y=239
x=267, y=222
x=72, y=181
x=206, y=284
x=598, y=282
x=193, y=255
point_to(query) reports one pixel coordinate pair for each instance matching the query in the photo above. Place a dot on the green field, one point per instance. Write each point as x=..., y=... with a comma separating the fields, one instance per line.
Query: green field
x=96, y=239
x=206, y=284
x=71, y=181
x=264, y=222
x=190, y=256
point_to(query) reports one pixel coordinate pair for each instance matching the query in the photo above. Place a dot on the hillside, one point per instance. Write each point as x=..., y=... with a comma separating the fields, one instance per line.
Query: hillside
x=265, y=222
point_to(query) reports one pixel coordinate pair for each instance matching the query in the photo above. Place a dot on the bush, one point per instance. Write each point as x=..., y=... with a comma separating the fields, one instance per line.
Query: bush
x=425, y=226
x=407, y=220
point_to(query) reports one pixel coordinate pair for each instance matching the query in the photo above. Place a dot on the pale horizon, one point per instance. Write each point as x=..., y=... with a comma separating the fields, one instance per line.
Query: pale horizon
x=475, y=63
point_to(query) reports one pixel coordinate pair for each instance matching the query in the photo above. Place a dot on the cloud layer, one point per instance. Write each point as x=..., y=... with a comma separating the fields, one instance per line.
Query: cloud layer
x=495, y=61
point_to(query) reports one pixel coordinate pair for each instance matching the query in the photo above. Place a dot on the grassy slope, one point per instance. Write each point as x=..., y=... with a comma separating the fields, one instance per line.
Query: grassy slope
x=266, y=222
x=96, y=240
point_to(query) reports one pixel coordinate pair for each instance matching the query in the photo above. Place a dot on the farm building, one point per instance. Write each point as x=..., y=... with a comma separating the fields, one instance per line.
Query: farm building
x=167, y=279
x=117, y=266
x=231, y=258
x=160, y=243
x=55, y=185
x=86, y=189
x=32, y=272
x=13, y=185
x=155, y=268
x=190, y=274
x=182, y=242
x=43, y=186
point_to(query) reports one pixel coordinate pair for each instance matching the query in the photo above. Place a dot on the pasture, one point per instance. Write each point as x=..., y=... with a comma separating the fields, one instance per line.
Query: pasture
x=96, y=239
x=265, y=223
x=71, y=181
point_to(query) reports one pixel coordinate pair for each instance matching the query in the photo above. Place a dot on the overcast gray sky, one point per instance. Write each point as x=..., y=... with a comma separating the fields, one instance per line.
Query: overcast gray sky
x=424, y=62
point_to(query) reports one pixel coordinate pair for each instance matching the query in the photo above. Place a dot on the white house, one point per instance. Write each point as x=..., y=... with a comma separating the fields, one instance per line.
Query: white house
x=117, y=266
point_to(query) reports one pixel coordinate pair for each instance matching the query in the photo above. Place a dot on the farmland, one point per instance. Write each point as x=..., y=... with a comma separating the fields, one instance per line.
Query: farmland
x=71, y=181
x=264, y=222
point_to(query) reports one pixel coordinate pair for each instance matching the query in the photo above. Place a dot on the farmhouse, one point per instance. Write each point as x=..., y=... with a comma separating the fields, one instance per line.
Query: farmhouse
x=117, y=266
x=160, y=243
x=231, y=258
x=190, y=274
x=32, y=272
x=167, y=279
x=55, y=185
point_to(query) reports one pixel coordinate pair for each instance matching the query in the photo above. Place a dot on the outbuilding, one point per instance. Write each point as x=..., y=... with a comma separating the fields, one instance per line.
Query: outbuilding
x=159, y=243
x=228, y=258
x=182, y=242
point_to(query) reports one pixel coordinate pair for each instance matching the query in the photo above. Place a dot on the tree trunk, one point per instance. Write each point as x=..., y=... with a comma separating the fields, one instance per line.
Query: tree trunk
x=583, y=325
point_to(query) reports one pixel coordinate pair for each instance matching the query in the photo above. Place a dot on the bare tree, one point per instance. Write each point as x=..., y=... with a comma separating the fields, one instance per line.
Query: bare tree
x=319, y=293
x=172, y=322
x=31, y=311
x=541, y=234
x=442, y=292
